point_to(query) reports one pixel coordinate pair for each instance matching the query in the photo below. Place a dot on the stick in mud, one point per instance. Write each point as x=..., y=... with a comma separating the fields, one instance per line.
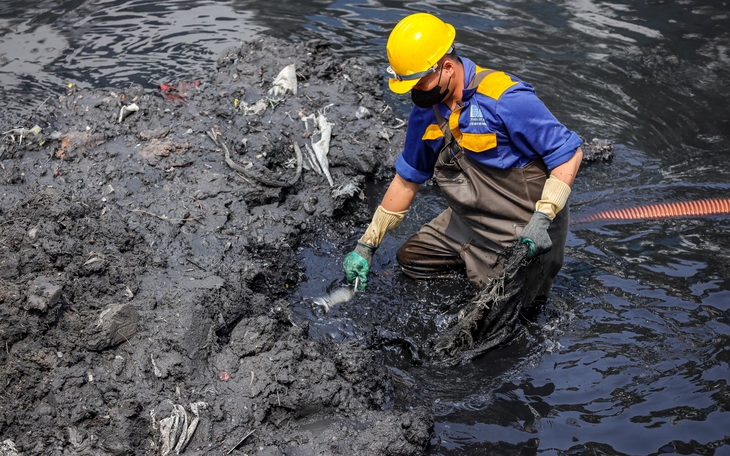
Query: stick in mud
x=213, y=135
x=162, y=217
x=240, y=441
x=276, y=386
x=195, y=264
x=39, y=107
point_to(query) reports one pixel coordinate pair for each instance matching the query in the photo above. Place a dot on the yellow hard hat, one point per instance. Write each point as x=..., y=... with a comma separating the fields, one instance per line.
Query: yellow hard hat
x=415, y=46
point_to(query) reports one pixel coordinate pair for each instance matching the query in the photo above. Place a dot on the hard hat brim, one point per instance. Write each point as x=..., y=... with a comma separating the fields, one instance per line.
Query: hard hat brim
x=401, y=87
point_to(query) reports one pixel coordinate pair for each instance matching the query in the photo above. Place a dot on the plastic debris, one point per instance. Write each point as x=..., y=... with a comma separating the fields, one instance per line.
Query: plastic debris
x=490, y=318
x=177, y=429
x=322, y=146
x=254, y=108
x=363, y=113
x=312, y=160
x=225, y=376
x=177, y=92
x=127, y=110
x=24, y=133
x=285, y=81
x=348, y=190
x=337, y=296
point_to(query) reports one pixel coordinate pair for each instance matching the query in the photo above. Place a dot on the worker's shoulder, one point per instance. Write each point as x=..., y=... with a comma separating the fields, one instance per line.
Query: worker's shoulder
x=496, y=83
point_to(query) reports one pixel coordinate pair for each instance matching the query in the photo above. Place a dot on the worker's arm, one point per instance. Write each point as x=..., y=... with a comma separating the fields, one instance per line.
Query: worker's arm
x=400, y=194
x=568, y=170
x=392, y=209
x=388, y=215
x=557, y=187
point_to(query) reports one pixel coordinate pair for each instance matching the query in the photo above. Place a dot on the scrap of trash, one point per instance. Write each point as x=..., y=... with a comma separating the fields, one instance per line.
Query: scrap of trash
x=177, y=429
x=597, y=149
x=317, y=154
x=178, y=92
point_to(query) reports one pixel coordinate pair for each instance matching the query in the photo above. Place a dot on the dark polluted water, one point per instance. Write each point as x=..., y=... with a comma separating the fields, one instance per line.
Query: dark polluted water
x=632, y=353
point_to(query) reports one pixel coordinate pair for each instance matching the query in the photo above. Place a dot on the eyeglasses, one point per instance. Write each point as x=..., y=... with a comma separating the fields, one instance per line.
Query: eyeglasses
x=411, y=77
x=420, y=74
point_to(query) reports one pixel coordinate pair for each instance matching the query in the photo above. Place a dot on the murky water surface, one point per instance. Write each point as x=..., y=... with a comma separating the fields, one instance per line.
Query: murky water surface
x=632, y=354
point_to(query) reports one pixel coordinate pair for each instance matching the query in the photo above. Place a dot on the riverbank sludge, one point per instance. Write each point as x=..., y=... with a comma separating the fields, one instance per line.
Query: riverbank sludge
x=136, y=266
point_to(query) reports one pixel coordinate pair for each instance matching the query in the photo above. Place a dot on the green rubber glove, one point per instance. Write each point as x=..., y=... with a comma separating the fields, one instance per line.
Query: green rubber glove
x=357, y=264
x=535, y=234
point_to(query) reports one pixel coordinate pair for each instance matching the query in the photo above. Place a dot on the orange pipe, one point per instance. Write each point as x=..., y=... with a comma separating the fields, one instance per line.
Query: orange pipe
x=663, y=210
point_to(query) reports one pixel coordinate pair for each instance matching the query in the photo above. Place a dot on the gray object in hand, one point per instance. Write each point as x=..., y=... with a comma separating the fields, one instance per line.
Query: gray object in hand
x=337, y=296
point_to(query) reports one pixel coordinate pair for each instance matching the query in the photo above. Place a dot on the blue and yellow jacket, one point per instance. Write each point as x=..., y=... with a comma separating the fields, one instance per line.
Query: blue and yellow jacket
x=501, y=124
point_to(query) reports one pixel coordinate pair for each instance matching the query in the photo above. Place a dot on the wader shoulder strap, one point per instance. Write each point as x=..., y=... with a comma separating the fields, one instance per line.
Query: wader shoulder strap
x=443, y=122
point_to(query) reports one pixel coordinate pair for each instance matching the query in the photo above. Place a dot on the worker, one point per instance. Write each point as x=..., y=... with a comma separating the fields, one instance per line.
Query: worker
x=503, y=162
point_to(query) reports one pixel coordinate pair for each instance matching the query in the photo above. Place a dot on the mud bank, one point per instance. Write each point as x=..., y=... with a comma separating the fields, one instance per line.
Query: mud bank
x=142, y=278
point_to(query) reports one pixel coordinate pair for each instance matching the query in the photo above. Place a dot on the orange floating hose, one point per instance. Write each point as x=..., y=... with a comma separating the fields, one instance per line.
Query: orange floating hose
x=663, y=210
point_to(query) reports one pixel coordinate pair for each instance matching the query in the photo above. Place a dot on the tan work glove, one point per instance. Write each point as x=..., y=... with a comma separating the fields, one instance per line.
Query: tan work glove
x=555, y=195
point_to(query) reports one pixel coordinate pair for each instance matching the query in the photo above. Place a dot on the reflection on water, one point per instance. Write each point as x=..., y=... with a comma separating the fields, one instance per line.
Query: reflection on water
x=632, y=354
x=29, y=51
x=609, y=21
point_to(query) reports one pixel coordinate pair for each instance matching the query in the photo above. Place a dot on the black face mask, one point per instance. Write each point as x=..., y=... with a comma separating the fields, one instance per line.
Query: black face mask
x=429, y=98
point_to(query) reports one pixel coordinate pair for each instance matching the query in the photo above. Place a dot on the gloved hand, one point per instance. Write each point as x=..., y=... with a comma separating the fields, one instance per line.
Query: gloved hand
x=554, y=198
x=357, y=264
x=535, y=234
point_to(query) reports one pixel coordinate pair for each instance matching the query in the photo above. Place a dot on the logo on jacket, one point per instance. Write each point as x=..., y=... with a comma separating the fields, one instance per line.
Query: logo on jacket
x=475, y=116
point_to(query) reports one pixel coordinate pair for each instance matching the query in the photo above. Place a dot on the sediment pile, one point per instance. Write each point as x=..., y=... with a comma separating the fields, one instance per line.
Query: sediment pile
x=148, y=239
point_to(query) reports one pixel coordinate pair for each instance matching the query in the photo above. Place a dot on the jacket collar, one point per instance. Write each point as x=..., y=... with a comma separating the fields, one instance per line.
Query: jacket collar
x=470, y=69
